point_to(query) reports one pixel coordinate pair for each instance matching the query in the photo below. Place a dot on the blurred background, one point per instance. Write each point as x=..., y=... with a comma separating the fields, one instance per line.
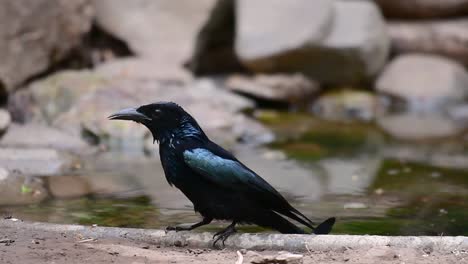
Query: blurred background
x=351, y=108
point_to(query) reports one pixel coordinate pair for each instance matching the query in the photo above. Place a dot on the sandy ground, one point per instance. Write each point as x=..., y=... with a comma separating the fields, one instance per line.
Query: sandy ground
x=25, y=246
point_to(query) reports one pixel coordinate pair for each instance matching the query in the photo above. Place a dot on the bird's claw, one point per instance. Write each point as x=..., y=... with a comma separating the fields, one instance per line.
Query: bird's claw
x=223, y=235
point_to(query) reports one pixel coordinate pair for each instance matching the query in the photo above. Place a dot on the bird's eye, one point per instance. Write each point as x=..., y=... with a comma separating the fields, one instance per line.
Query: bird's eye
x=157, y=113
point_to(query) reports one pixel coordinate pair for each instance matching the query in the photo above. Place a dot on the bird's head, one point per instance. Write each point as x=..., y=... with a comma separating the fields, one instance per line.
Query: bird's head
x=163, y=119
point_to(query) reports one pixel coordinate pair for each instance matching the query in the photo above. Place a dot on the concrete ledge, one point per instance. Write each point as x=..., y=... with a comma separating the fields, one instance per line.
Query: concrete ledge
x=296, y=243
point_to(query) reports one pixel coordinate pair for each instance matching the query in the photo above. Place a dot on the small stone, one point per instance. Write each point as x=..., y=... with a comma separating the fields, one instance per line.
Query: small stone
x=4, y=173
x=281, y=258
x=354, y=205
x=5, y=120
x=278, y=87
x=379, y=191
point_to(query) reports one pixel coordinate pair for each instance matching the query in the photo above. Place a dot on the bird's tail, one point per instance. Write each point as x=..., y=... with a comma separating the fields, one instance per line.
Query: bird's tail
x=325, y=227
x=275, y=221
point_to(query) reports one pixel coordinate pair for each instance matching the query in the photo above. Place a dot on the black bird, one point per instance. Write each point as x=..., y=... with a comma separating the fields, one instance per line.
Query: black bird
x=218, y=185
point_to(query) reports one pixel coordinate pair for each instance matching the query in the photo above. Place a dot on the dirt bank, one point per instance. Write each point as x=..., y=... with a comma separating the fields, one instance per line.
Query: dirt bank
x=26, y=243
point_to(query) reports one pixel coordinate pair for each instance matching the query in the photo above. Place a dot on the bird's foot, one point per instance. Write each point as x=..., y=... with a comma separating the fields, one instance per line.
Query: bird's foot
x=224, y=234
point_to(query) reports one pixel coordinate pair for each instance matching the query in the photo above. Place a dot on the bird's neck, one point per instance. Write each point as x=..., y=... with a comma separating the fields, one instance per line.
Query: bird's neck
x=188, y=128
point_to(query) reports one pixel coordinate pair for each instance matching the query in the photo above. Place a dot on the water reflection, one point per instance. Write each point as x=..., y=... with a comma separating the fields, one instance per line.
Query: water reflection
x=374, y=184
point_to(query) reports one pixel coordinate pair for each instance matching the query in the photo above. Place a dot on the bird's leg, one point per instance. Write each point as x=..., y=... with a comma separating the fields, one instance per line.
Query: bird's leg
x=224, y=234
x=188, y=227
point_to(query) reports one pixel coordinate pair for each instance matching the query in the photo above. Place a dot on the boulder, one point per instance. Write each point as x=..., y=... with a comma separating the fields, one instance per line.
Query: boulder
x=164, y=30
x=38, y=161
x=419, y=126
x=278, y=87
x=342, y=42
x=142, y=68
x=221, y=116
x=36, y=34
x=448, y=38
x=19, y=136
x=424, y=81
x=423, y=8
x=45, y=99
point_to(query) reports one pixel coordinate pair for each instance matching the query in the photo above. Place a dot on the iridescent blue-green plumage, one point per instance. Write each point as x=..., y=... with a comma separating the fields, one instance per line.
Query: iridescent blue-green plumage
x=218, y=185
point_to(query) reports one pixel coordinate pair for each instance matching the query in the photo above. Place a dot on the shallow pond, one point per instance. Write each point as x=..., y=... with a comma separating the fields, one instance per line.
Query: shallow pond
x=371, y=182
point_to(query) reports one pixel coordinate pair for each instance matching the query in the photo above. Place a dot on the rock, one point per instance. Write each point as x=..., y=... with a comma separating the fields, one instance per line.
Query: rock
x=36, y=34
x=40, y=161
x=448, y=38
x=16, y=189
x=142, y=68
x=424, y=81
x=214, y=47
x=46, y=99
x=423, y=8
x=355, y=205
x=279, y=87
x=5, y=120
x=164, y=30
x=68, y=186
x=4, y=173
x=282, y=257
x=420, y=125
x=459, y=113
x=346, y=105
x=220, y=116
x=343, y=42
x=260, y=31
x=19, y=136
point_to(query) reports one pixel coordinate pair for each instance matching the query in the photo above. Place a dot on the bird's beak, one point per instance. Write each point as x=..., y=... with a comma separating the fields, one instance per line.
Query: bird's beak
x=129, y=114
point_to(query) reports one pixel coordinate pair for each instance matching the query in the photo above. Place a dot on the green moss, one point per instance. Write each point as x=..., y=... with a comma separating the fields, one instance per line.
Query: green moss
x=383, y=227
x=132, y=212
x=413, y=178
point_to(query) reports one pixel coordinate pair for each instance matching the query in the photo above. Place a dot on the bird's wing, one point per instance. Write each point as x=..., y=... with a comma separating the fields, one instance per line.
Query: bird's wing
x=232, y=174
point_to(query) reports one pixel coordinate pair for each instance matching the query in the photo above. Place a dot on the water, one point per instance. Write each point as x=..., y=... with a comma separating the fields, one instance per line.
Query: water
x=372, y=183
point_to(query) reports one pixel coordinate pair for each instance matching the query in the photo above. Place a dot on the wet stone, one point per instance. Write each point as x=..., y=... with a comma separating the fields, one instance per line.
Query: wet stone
x=68, y=186
x=5, y=120
x=17, y=189
x=39, y=161
x=44, y=137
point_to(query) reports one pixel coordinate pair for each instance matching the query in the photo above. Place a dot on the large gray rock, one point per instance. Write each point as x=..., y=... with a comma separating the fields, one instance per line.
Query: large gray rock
x=330, y=41
x=420, y=126
x=37, y=33
x=424, y=80
x=20, y=136
x=278, y=87
x=45, y=99
x=142, y=68
x=423, y=8
x=39, y=161
x=164, y=30
x=443, y=37
x=221, y=117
